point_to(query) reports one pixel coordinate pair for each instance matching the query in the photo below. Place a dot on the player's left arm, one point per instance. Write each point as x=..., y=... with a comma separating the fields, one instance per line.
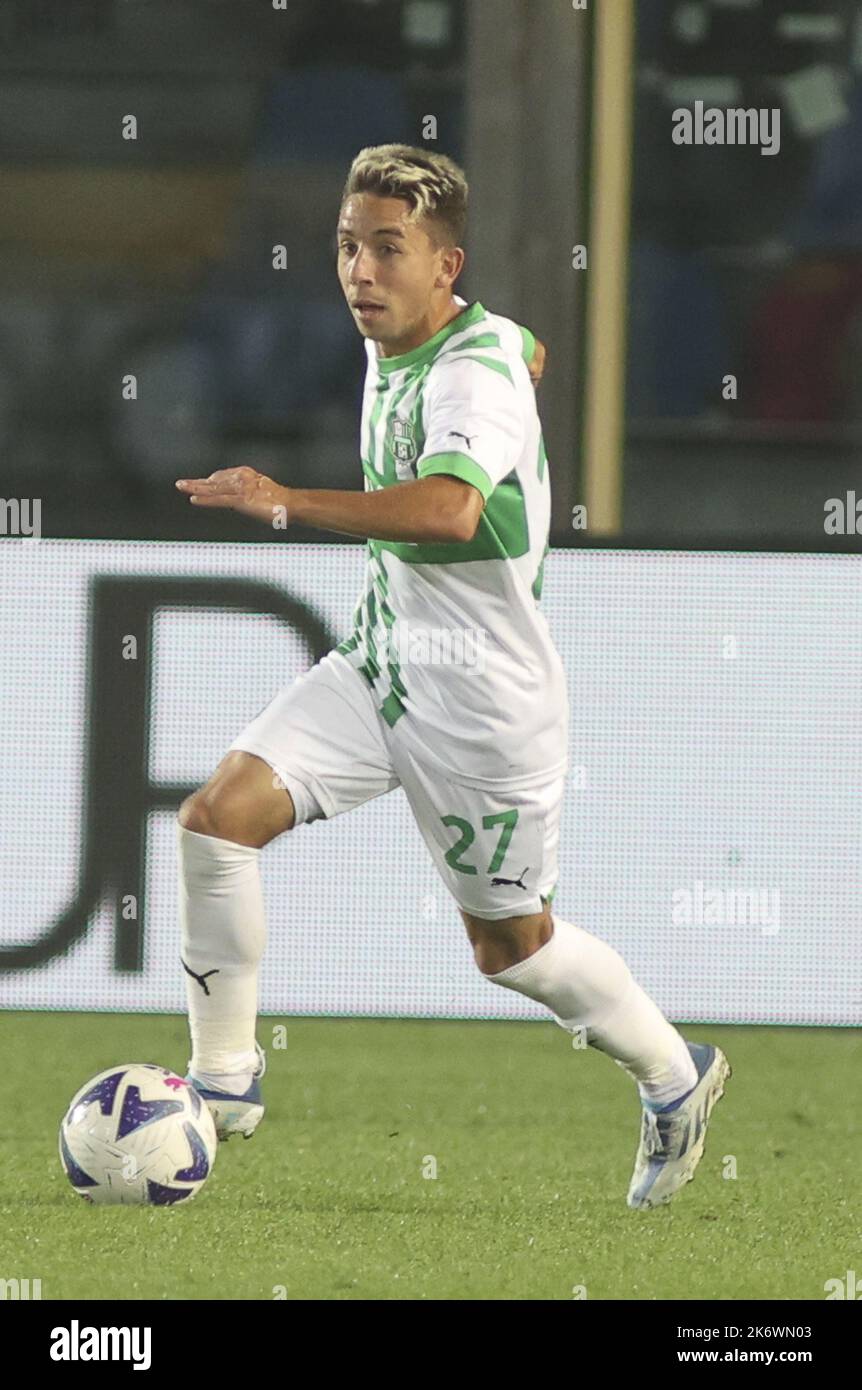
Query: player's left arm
x=533, y=351
x=536, y=364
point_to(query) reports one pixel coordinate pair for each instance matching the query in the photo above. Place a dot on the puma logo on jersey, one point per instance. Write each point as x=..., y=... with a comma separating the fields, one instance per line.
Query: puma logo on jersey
x=201, y=979
x=495, y=881
x=467, y=437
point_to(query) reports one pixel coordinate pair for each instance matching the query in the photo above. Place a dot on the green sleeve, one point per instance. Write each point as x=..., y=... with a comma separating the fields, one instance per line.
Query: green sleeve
x=457, y=466
x=528, y=344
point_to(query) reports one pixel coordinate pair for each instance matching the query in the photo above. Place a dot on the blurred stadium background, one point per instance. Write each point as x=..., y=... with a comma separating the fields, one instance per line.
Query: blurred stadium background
x=157, y=252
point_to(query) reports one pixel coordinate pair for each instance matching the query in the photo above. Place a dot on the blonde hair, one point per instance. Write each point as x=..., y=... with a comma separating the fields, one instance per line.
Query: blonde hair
x=433, y=184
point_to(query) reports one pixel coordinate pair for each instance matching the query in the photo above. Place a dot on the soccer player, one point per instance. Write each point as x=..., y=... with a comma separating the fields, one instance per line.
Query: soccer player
x=456, y=514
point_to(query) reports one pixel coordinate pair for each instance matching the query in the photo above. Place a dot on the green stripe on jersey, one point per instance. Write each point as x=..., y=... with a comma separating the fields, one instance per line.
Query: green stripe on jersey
x=457, y=465
x=392, y=709
x=427, y=350
x=487, y=362
x=369, y=466
x=540, y=575
x=415, y=383
x=502, y=533
x=528, y=344
x=481, y=340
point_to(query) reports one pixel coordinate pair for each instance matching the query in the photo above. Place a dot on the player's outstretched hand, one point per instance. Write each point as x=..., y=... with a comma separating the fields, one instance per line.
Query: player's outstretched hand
x=240, y=490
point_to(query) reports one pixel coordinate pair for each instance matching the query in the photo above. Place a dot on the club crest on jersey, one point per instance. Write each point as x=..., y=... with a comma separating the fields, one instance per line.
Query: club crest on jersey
x=402, y=444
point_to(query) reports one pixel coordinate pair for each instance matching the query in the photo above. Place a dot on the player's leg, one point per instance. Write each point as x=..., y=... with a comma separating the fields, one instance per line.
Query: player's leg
x=314, y=752
x=243, y=801
x=497, y=852
x=498, y=945
x=590, y=990
x=221, y=829
x=479, y=841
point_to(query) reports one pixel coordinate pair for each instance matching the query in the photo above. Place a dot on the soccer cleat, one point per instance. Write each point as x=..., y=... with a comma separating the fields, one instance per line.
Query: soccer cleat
x=234, y=1114
x=671, y=1143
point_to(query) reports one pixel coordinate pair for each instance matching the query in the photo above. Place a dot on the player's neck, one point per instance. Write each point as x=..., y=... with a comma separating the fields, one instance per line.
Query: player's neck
x=429, y=329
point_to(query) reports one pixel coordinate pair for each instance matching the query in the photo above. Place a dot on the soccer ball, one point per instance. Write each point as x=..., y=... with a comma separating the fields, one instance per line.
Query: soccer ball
x=139, y=1135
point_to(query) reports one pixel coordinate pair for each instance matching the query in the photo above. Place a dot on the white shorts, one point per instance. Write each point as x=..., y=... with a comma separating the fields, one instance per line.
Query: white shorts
x=495, y=851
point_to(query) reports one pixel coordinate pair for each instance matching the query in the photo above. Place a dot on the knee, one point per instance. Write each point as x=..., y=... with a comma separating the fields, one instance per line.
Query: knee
x=492, y=957
x=501, y=944
x=199, y=813
x=219, y=814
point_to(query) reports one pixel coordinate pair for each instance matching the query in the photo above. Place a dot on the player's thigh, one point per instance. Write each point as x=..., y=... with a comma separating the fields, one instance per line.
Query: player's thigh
x=322, y=739
x=497, y=852
x=243, y=801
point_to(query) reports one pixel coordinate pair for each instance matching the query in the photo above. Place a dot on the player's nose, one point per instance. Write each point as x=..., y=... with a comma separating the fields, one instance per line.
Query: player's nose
x=360, y=268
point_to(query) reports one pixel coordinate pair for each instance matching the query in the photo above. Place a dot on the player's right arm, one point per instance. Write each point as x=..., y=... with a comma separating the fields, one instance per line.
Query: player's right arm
x=474, y=428
x=430, y=510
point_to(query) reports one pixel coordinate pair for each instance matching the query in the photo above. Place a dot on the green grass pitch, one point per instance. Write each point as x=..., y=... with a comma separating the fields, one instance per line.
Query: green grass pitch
x=533, y=1144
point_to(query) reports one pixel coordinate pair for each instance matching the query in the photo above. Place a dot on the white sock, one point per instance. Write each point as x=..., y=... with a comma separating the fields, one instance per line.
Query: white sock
x=223, y=933
x=587, y=984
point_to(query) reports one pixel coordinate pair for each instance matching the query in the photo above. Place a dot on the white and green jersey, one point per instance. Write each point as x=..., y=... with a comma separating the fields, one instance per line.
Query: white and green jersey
x=450, y=636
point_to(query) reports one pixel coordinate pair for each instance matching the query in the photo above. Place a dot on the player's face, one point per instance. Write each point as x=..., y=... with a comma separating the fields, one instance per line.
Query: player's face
x=393, y=278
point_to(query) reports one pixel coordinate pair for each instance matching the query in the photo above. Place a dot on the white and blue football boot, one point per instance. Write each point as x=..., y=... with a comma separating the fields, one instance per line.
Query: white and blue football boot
x=234, y=1114
x=672, y=1139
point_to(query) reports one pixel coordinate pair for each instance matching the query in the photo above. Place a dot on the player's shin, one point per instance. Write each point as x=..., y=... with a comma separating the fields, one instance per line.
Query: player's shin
x=587, y=985
x=223, y=933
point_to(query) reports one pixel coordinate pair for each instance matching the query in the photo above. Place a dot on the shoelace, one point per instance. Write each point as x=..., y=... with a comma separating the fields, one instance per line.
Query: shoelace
x=663, y=1139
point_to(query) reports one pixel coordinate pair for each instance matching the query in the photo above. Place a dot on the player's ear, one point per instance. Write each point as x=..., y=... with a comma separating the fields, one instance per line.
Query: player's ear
x=451, y=265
